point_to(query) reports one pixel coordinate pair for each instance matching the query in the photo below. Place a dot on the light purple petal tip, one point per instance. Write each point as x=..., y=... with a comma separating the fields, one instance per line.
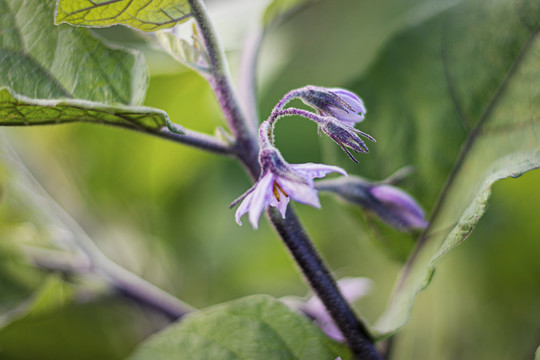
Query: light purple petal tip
x=312, y=170
x=401, y=204
x=352, y=289
x=243, y=208
x=354, y=101
x=260, y=198
x=346, y=117
x=302, y=193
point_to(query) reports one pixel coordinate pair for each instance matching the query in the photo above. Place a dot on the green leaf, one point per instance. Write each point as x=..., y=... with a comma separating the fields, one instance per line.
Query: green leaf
x=41, y=60
x=189, y=53
x=278, y=8
x=537, y=355
x=53, y=295
x=145, y=15
x=19, y=110
x=465, y=113
x=255, y=327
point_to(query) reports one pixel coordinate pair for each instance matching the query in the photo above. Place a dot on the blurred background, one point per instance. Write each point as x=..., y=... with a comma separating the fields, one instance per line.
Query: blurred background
x=161, y=209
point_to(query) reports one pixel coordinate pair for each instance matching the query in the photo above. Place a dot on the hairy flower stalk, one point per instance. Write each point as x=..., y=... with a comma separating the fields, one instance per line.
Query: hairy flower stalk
x=337, y=111
x=280, y=181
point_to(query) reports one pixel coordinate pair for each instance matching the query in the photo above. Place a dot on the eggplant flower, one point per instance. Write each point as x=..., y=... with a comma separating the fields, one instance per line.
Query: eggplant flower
x=279, y=182
x=344, y=105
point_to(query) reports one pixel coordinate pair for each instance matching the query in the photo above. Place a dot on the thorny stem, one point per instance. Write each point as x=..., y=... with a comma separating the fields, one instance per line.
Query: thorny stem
x=290, y=229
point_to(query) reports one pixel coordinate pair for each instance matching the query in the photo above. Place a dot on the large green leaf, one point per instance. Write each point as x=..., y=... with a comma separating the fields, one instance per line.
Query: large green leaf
x=456, y=96
x=145, y=15
x=41, y=60
x=43, y=63
x=256, y=327
x=19, y=110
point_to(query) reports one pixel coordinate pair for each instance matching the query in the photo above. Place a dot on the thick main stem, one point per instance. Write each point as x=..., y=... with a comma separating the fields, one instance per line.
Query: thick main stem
x=290, y=229
x=220, y=79
x=323, y=284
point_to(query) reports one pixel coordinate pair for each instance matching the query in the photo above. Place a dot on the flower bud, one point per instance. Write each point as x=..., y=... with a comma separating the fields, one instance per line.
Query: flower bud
x=344, y=105
x=391, y=204
x=344, y=135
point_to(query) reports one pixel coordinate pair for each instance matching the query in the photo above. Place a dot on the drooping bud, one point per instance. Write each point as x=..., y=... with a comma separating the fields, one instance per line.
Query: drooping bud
x=403, y=210
x=391, y=204
x=344, y=105
x=344, y=135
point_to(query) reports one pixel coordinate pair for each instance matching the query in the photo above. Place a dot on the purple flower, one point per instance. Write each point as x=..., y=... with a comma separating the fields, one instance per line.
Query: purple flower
x=278, y=183
x=401, y=210
x=352, y=290
x=344, y=105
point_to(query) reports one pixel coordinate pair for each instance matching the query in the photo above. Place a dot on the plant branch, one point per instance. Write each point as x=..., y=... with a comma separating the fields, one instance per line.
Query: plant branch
x=322, y=283
x=86, y=257
x=198, y=140
x=220, y=79
x=125, y=281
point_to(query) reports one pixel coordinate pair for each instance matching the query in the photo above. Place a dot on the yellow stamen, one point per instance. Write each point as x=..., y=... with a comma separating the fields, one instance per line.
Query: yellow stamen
x=276, y=192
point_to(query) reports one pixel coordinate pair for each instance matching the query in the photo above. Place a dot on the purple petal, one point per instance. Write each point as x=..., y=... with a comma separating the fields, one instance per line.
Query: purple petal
x=401, y=204
x=260, y=197
x=244, y=207
x=281, y=204
x=346, y=117
x=311, y=170
x=352, y=289
x=354, y=101
x=300, y=192
x=330, y=328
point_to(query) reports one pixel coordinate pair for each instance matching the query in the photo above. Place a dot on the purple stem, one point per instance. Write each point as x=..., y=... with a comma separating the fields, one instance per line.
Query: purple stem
x=266, y=130
x=322, y=283
x=198, y=140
